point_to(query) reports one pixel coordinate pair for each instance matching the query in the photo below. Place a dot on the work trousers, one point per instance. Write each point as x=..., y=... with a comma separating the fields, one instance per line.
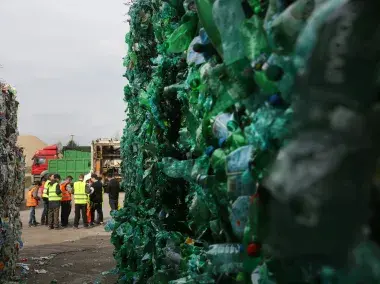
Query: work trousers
x=65, y=212
x=80, y=209
x=114, y=204
x=98, y=208
x=44, y=216
x=53, y=217
x=32, y=216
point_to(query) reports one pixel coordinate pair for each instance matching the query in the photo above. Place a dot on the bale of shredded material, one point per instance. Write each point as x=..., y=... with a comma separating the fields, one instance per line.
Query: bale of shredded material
x=12, y=169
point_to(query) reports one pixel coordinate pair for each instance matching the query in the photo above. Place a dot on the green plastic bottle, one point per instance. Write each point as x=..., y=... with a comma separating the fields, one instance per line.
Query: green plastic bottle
x=228, y=17
x=204, y=9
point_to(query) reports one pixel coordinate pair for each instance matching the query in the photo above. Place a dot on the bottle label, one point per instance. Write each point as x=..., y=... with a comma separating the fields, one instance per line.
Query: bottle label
x=219, y=128
x=238, y=160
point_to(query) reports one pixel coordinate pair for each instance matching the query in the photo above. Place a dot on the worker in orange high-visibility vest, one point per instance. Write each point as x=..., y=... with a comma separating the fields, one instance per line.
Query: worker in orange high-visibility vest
x=66, y=190
x=32, y=203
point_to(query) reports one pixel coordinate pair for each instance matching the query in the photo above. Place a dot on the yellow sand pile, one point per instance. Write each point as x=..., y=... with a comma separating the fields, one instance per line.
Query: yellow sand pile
x=30, y=144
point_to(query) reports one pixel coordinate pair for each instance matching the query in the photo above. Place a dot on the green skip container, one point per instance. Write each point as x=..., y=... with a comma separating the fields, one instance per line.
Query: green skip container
x=70, y=167
x=74, y=154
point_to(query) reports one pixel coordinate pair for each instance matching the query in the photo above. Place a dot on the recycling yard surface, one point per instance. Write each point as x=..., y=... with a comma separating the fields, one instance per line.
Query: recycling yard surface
x=66, y=255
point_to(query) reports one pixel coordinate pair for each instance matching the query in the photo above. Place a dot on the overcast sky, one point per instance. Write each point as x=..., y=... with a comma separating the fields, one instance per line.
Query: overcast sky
x=65, y=59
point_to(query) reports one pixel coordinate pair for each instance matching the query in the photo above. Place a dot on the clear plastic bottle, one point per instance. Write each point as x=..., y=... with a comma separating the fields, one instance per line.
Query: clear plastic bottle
x=237, y=163
x=223, y=254
x=239, y=215
x=220, y=125
x=172, y=256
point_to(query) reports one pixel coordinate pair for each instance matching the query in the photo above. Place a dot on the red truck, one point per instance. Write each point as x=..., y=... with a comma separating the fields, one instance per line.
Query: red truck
x=41, y=161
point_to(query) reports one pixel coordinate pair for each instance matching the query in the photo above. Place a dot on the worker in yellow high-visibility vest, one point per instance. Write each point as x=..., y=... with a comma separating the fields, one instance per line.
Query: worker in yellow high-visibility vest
x=55, y=195
x=45, y=198
x=80, y=192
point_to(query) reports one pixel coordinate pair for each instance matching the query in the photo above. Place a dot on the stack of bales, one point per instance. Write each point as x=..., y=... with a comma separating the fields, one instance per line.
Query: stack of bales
x=209, y=98
x=11, y=183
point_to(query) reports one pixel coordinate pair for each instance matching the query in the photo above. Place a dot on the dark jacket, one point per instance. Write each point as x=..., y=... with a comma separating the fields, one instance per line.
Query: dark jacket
x=55, y=204
x=97, y=195
x=113, y=189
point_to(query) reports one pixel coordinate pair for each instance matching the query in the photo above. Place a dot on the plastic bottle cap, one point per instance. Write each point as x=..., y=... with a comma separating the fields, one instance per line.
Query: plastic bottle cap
x=198, y=47
x=221, y=142
x=253, y=249
x=209, y=150
x=276, y=100
x=241, y=248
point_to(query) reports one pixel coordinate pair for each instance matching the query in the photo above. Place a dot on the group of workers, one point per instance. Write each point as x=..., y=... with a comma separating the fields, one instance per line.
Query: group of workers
x=56, y=195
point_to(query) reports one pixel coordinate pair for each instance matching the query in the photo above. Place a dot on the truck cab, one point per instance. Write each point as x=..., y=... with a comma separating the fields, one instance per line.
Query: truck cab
x=41, y=161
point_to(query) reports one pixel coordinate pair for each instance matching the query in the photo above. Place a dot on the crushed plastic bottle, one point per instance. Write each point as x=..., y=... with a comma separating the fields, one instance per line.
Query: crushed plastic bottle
x=239, y=215
x=228, y=17
x=227, y=258
x=177, y=169
x=201, y=167
x=286, y=27
x=110, y=225
x=173, y=256
x=219, y=127
x=237, y=163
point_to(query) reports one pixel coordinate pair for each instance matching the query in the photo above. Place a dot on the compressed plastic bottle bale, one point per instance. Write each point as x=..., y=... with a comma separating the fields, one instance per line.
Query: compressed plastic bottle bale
x=12, y=171
x=318, y=188
x=3, y=120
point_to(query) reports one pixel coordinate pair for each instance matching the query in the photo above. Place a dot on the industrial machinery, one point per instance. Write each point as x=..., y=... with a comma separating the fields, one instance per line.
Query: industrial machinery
x=106, y=158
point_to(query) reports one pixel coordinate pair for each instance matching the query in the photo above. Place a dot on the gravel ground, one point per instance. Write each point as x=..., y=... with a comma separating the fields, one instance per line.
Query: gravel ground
x=67, y=255
x=75, y=262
